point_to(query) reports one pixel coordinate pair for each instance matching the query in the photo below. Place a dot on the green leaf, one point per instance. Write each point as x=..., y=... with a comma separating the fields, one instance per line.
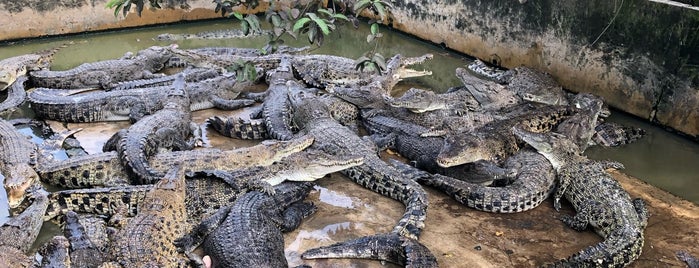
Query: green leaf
x=320, y=22
x=238, y=15
x=276, y=20
x=300, y=23
x=374, y=28
x=312, y=34
x=326, y=12
x=360, y=5
x=341, y=16
x=370, y=38
x=245, y=25
x=379, y=8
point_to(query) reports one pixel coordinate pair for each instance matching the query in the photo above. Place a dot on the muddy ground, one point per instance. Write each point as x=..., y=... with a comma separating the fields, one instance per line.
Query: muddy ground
x=458, y=236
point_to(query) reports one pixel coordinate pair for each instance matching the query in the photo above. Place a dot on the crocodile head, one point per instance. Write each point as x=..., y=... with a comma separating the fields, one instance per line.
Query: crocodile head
x=417, y=100
x=550, y=96
x=368, y=96
x=154, y=57
x=467, y=148
x=281, y=149
x=307, y=107
x=397, y=69
x=557, y=148
x=9, y=76
x=313, y=165
x=17, y=180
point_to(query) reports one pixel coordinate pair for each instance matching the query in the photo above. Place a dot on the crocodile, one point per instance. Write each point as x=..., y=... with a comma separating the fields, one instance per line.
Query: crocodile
x=420, y=100
x=313, y=117
x=308, y=165
x=14, y=67
x=534, y=85
x=17, y=162
x=404, y=251
x=217, y=34
x=494, y=141
x=692, y=262
x=275, y=109
x=203, y=194
x=147, y=239
x=599, y=201
x=83, y=252
x=119, y=105
x=170, y=127
x=248, y=233
x=190, y=75
x=105, y=169
x=404, y=138
x=581, y=126
x=56, y=253
x=533, y=180
x=491, y=72
x=102, y=73
x=491, y=96
x=611, y=134
x=16, y=95
x=256, y=129
x=19, y=232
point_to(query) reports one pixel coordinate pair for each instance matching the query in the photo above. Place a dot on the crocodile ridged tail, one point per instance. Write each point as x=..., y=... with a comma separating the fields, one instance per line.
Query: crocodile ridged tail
x=619, y=249
x=236, y=127
x=389, y=247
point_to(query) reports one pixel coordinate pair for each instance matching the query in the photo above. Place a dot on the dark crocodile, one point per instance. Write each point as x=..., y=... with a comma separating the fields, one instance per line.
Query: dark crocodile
x=16, y=95
x=490, y=95
x=599, y=201
x=581, y=126
x=190, y=75
x=118, y=105
x=102, y=73
x=147, y=239
x=16, y=162
x=217, y=34
x=14, y=67
x=534, y=85
x=170, y=127
x=256, y=129
x=83, y=252
x=255, y=222
x=692, y=262
x=19, y=233
x=404, y=251
x=532, y=176
x=307, y=165
x=611, y=134
x=105, y=169
x=56, y=253
x=275, y=109
x=313, y=118
x=420, y=100
x=495, y=141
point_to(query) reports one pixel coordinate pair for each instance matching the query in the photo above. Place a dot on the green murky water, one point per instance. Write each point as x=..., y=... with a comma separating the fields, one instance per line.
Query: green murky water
x=661, y=158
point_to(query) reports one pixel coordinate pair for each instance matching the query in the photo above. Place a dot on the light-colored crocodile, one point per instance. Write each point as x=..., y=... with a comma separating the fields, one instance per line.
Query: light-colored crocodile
x=14, y=67
x=19, y=233
x=16, y=162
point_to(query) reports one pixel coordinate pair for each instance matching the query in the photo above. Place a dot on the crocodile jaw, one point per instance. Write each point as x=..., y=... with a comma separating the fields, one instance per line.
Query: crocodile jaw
x=285, y=148
x=315, y=170
x=544, y=143
x=463, y=149
x=17, y=182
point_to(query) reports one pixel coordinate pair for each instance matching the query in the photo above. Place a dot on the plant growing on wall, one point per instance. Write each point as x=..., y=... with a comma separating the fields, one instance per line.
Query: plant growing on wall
x=315, y=19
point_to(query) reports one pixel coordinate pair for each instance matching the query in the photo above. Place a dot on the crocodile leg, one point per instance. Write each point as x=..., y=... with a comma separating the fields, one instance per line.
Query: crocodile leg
x=390, y=247
x=196, y=236
x=295, y=213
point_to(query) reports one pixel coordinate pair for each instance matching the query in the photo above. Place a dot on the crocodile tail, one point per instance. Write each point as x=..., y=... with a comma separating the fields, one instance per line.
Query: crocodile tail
x=388, y=247
x=47, y=55
x=236, y=127
x=619, y=249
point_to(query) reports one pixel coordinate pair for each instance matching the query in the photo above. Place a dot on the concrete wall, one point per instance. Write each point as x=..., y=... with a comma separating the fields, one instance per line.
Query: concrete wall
x=641, y=56
x=37, y=18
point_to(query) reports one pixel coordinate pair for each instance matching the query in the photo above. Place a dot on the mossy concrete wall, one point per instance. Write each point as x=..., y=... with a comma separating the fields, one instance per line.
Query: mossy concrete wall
x=641, y=56
x=39, y=18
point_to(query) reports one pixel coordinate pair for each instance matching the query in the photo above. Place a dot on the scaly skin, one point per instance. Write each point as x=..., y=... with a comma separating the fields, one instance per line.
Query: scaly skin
x=495, y=141
x=105, y=169
x=218, y=34
x=248, y=233
x=119, y=105
x=275, y=109
x=581, y=126
x=147, y=239
x=610, y=134
x=83, y=252
x=56, y=254
x=14, y=67
x=308, y=165
x=16, y=95
x=190, y=75
x=313, y=118
x=16, y=162
x=533, y=85
x=406, y=252
x=102, y=73
x=170, y=127
x=420, y=101
x=533, y=182
x=19, y=233
x=599, y=201
x=490, y=95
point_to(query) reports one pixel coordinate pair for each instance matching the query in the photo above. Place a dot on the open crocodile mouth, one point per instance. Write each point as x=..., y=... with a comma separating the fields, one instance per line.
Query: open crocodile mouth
x=17, y=192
